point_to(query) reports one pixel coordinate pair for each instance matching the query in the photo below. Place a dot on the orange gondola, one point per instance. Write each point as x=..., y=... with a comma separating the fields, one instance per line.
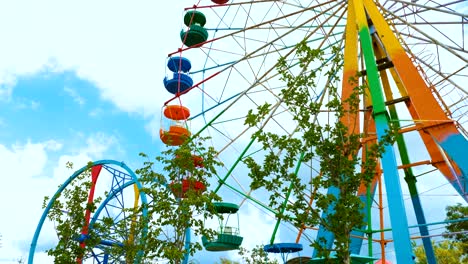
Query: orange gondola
x=180, y=189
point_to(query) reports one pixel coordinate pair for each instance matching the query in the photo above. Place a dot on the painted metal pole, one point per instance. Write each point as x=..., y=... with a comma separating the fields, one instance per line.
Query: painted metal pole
x=324, y=234
x=423, y=106
x=352, y=120
x=187, y=246
x=283, y=206
x=392, y=180
x=95, y=171
x=381, y=220
x=368, y=129
x=241, y=156
x=428, y=224
x=409, y=175
x=369, y=220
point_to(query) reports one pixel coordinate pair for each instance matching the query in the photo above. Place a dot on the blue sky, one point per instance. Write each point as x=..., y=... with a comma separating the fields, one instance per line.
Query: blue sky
x=50, y=118
x=65, y=107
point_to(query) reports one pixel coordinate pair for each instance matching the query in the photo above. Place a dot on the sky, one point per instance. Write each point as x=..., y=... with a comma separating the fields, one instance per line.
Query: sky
x=81, y=81
x=78, y=82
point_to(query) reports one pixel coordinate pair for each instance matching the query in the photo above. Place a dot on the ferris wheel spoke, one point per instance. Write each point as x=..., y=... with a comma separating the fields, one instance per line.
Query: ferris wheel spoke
x=432, y=40
x=430, y=8
x=253, y=54
x=229, y=4
x=273, y=20
x=457, y=47
x=444, y=76
x=440, y=24
x=285, y=197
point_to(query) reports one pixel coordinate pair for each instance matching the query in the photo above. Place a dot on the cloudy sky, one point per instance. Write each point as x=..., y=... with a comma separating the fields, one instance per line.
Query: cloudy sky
x=80, y=81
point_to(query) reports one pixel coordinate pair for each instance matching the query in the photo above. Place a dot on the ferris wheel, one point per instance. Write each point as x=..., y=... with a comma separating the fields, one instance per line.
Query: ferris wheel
x=413, y=56
x=114, y=189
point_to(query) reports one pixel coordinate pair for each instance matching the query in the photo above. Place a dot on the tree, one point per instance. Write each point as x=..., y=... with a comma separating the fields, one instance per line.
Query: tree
x=455, y=249
x=68, y=212
x=256, y=255
x=176, y=204
x=446, y=252
x=336, y=146
x=173, y=208
x=457, y=230
x=21, y=260
x=253, y=256
x=227, y=261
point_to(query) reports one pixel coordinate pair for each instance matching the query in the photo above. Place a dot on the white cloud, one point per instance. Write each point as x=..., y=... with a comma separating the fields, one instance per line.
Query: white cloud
x=5, y=92
x=28, y=160
x=22, y=192
x=53, y=145
x=95, y=112
x=95, y=148
x=27, y=104
x=74, y=94
x=152, y=127
x=98, y=144
x=120, y=46
x=29, y=175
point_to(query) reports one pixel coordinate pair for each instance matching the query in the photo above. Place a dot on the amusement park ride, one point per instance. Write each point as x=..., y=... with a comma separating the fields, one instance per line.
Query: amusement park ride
x=411, y=54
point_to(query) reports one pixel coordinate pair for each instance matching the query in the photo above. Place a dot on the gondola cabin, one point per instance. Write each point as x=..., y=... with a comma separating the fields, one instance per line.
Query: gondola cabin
x=228, y=237
x=196, y=34
x=179, y=81
x=181, y=188
x=174, y=131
